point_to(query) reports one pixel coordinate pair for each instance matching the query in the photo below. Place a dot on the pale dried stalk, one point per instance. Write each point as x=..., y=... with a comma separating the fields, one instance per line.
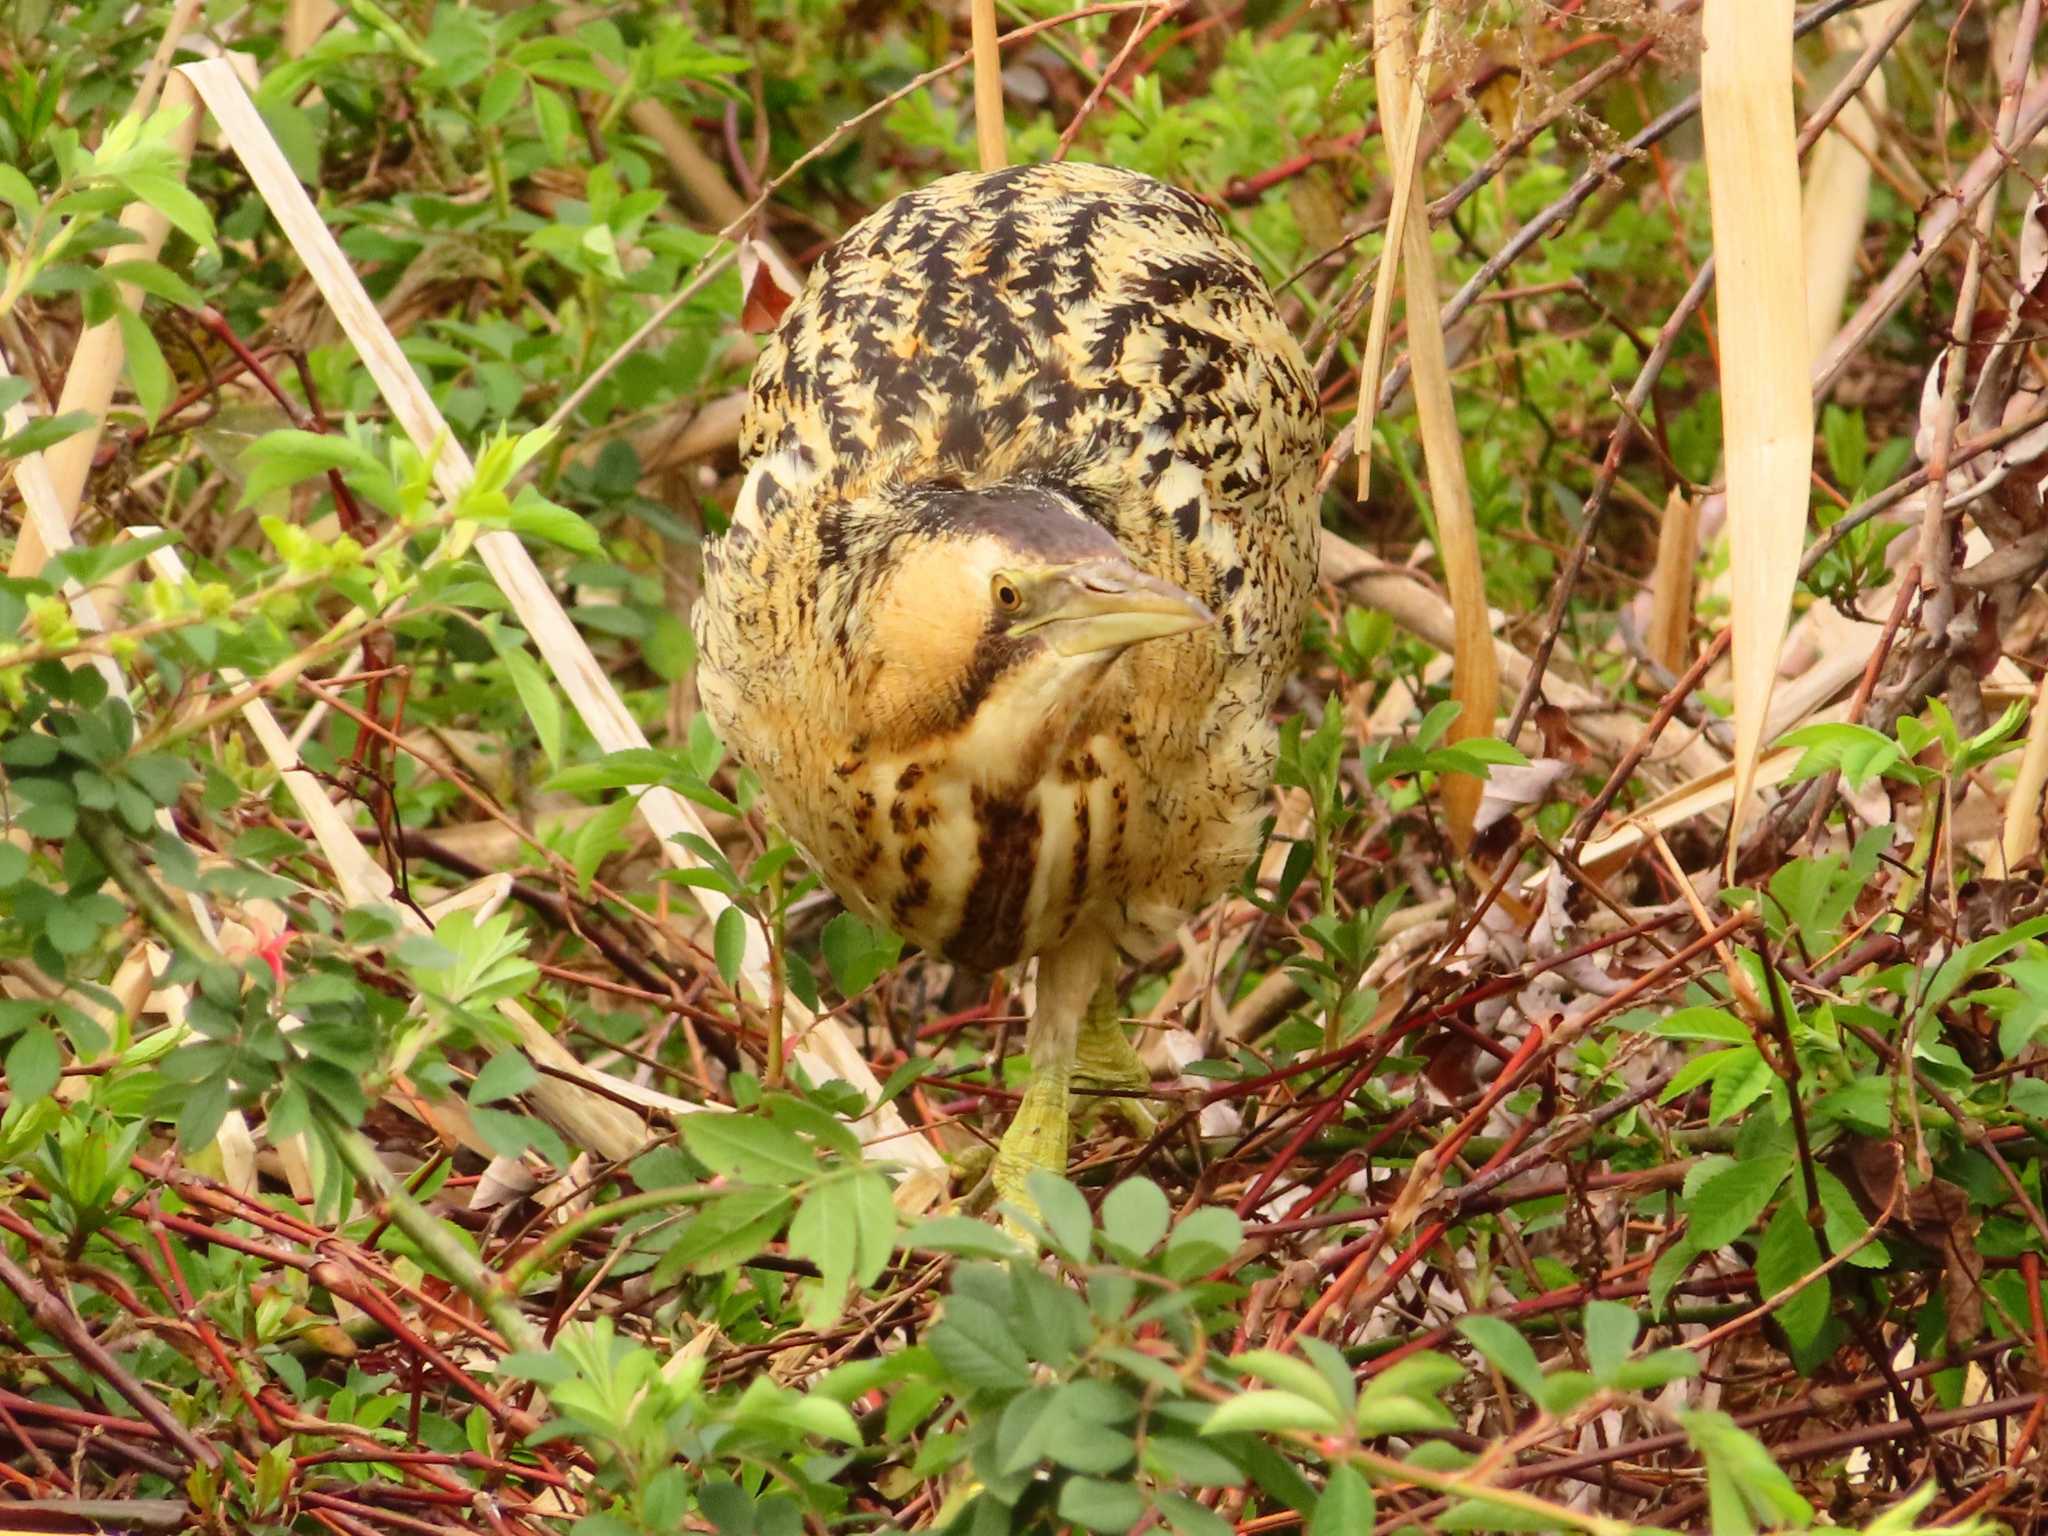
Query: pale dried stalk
x=825, y=1050
x=304, y=21
x=988, y=87
x=2023, y=802
x=1766, y=400
x=1475, y=682
x=1405, y=149
x=1697, y=797
x=1672, y=583
x=1837, y=203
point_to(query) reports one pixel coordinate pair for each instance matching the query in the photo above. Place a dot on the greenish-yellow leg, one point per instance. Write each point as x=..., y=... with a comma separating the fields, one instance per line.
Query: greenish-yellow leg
x=1074, y=1038
x=1105, y=1058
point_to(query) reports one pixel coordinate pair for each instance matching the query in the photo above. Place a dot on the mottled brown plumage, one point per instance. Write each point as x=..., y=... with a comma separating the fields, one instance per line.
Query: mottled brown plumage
x=1057, y=385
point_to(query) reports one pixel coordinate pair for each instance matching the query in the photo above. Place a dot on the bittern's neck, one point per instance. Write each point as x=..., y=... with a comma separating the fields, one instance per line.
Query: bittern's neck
x=1027, y=717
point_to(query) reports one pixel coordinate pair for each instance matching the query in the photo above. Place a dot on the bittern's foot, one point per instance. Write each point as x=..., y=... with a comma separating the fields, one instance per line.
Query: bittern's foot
x=1037, y=1137
x=1105, y=1058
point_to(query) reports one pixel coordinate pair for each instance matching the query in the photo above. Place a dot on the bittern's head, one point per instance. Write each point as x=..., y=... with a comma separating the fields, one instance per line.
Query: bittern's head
x=1002, y=609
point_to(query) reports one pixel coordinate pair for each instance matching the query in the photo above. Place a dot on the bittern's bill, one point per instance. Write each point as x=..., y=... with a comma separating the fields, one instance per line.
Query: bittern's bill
x=1014, y=577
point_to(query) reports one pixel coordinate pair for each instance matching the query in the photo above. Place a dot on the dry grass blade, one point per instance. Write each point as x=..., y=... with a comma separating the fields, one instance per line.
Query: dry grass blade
x=1405, y=151
x=824, y=1050
x=2023, y=801
x=1475, y=681
x=988, y=87
x=1671, y=586
x=1837, y=203
x=1766, y=401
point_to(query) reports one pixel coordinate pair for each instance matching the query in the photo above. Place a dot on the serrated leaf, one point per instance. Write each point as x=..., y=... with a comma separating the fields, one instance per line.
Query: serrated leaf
x=1346, y=1506
x=1502, y=1344
x=1267, y=1409
x=748, y=1147
x=1611, y=1330
x=147, y=371
x=725, y=1233
x=1289, y=1374
x=729, y=944
x=1789, y=1253
x=977, y=1347
x=962, y=1235
x=1730, y=1202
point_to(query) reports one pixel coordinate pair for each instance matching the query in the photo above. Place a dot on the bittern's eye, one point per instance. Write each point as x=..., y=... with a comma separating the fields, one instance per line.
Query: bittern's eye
x=1006, y=594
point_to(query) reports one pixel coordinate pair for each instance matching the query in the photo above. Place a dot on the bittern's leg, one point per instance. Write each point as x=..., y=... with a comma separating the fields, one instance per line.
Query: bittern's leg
x=1068, y=978
x=1105, y=1058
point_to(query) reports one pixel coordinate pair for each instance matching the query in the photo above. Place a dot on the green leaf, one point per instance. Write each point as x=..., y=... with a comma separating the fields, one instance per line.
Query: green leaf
x=156, y=280
x=168, y=196
x=963, y=1235
x=1200, y=1242
x=147, y=370
x=1289, y=1374
x=1743, y=1481
x=45, y=432
x=977, y=1347
x=1101, y=1506
x=1669, y=1269
x=1346, y=1506
x=35, y=1063
x=1135, y=1216
x=1729, y=1203
x=874, y=1212
x=1502, y=1344
x=1788, y=1254
x=535, y=517
x=748, y=1147
x=1064, y=1213
x=1022, y=1430
x=725, y=1233
x=827, y=1232
x=505, y=1075
x=1846, y=1224
x=730, y=944
x=857, y=953
x=814, y=1415
x=1084, y=1431
x=1611, y=1330
x=537, y=696
x=1266, y=1410
x=1483, y=1514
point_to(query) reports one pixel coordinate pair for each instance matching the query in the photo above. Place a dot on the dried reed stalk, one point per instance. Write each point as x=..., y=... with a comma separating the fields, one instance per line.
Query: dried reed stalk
x=988, y=87
x=1405, y=150
x=1671, y=585
x=1475, y=681
x=1766, y=400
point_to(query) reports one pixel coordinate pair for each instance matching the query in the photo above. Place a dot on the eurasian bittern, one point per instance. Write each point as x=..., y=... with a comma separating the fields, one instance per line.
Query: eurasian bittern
x=1012, y=582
